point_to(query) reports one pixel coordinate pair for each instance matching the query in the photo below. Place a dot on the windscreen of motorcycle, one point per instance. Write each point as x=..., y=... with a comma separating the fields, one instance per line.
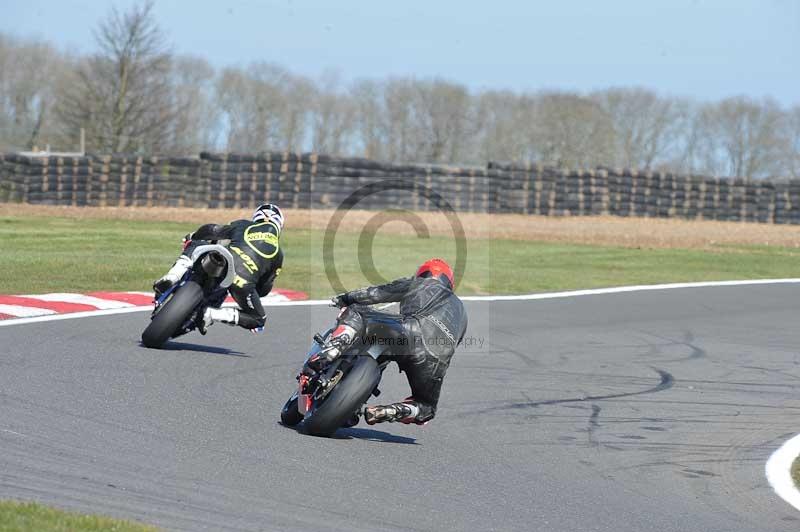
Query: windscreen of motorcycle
x=315, y=347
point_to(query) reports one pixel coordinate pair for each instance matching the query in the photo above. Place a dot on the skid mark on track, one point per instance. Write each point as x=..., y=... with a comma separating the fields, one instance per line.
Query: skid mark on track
x=768, y=371
x=593, y=425
x=667, y=381
x=525, y=358
x=695, y=352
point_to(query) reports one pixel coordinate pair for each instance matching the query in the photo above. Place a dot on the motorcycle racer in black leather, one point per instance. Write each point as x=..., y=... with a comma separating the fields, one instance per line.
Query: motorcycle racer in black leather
x=433, y=322
x=258, y=258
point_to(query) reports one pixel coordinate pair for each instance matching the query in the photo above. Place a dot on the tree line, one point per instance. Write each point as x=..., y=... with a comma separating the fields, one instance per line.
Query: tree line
x=134, y=95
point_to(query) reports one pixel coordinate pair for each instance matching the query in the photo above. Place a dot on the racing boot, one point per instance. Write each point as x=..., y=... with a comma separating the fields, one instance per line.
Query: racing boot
x=406, y=412
x=227, y=315
x=174, y=275
x=339, y=340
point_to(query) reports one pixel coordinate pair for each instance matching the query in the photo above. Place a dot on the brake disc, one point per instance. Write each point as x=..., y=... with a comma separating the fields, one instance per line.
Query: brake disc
x=329, y=385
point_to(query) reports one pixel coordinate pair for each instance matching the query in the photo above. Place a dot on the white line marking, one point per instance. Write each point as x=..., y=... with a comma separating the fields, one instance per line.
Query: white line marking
x=19, y=310
x=314, y=302
x=81, y=299
x=266, y=300
x=300, y=303
x=779, y=474
x=271, y=295
x=622, y=289
x=72, y=315
x=34, y=318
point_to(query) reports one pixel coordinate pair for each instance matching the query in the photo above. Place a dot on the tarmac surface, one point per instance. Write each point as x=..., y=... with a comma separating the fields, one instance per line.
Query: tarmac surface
x=643, y=411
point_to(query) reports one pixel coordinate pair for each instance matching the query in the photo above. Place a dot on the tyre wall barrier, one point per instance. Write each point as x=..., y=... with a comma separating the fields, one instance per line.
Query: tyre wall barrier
x=314, y=181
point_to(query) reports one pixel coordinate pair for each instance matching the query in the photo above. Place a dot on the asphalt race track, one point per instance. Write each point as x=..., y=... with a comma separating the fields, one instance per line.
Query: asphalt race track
x=645, y=411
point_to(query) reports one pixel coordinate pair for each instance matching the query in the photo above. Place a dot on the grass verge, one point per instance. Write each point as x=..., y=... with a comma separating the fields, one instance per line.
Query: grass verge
x=53, y=254
x=796, y=472
x=33, y=517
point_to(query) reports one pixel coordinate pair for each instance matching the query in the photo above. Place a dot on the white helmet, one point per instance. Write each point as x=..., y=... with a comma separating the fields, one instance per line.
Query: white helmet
x=269, y=212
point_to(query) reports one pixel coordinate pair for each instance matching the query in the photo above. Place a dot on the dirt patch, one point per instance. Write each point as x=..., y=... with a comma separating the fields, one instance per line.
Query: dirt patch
x=604, y=230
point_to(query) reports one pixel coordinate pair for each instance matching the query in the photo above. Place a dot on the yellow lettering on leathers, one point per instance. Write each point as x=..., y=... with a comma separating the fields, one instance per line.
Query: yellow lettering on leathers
x=267, y=237
x=248, y=261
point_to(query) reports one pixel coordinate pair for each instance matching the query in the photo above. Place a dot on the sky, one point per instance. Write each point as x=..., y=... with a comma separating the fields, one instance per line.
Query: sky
x=704, y=49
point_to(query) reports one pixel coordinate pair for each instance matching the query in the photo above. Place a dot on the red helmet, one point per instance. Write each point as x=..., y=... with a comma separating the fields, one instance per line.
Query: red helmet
x=436, y=268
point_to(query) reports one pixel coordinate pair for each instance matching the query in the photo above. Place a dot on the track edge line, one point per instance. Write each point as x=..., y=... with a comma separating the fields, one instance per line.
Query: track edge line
x=778, y=471
x=524, y=297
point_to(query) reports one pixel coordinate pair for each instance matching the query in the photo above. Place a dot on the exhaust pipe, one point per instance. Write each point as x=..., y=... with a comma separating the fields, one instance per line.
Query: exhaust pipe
x=213, y=263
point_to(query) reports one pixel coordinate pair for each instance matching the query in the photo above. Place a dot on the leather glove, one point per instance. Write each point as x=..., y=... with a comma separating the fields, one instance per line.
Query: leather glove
x=315, y=364
x=342, y=300
x=187, y=240
x=328, y=354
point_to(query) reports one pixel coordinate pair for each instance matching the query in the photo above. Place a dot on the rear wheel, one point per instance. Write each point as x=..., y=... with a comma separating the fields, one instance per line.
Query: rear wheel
x=346, y=397
x=173, y=314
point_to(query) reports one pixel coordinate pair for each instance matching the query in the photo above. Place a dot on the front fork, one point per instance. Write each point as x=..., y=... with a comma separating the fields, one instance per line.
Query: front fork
x=304, y=400
x=312, y=388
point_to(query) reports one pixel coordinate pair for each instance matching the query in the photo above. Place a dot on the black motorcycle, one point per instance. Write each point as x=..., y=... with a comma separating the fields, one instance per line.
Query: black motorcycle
x=180, y=309
x=334, y=397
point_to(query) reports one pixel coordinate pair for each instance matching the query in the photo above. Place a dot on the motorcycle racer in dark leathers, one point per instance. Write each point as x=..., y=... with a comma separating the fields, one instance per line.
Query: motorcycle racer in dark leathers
x=258, y=258
x=433, y=322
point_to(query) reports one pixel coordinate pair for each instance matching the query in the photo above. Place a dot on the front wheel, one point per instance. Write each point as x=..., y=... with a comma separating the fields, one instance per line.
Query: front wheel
x=290, y=415
x=173, y=314
x=346, y=397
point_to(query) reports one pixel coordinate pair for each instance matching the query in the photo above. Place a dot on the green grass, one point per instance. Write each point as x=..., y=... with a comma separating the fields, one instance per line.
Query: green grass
x=64, y=254
x=33, y=517
x=796, y=472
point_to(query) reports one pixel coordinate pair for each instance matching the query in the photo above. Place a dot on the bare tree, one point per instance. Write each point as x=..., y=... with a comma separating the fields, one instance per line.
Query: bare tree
x=398, y=96
x=251, y=103
x=194, y=127
x=29, y=73
x=505, y=126
x=370, y=125
x=121, y=95
x=133, y=96
x=740, y=137
x=299, y=93
x=442, y=112
x=790, y=142
x=572, y=131
x=333, y=116
x=646, y=127
x=263, y=107
x=232, y=95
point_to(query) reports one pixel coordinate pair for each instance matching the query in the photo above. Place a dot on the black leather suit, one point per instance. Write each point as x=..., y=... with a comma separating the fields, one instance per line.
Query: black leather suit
x=433, y=321
x=258, y=260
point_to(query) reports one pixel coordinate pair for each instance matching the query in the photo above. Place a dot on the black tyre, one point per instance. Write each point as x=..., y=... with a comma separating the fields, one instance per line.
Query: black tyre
x=351, y=392
x=290, y=416
x=172, y=315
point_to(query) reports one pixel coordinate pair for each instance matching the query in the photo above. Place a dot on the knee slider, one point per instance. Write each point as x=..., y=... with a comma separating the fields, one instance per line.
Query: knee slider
x=250, y=321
